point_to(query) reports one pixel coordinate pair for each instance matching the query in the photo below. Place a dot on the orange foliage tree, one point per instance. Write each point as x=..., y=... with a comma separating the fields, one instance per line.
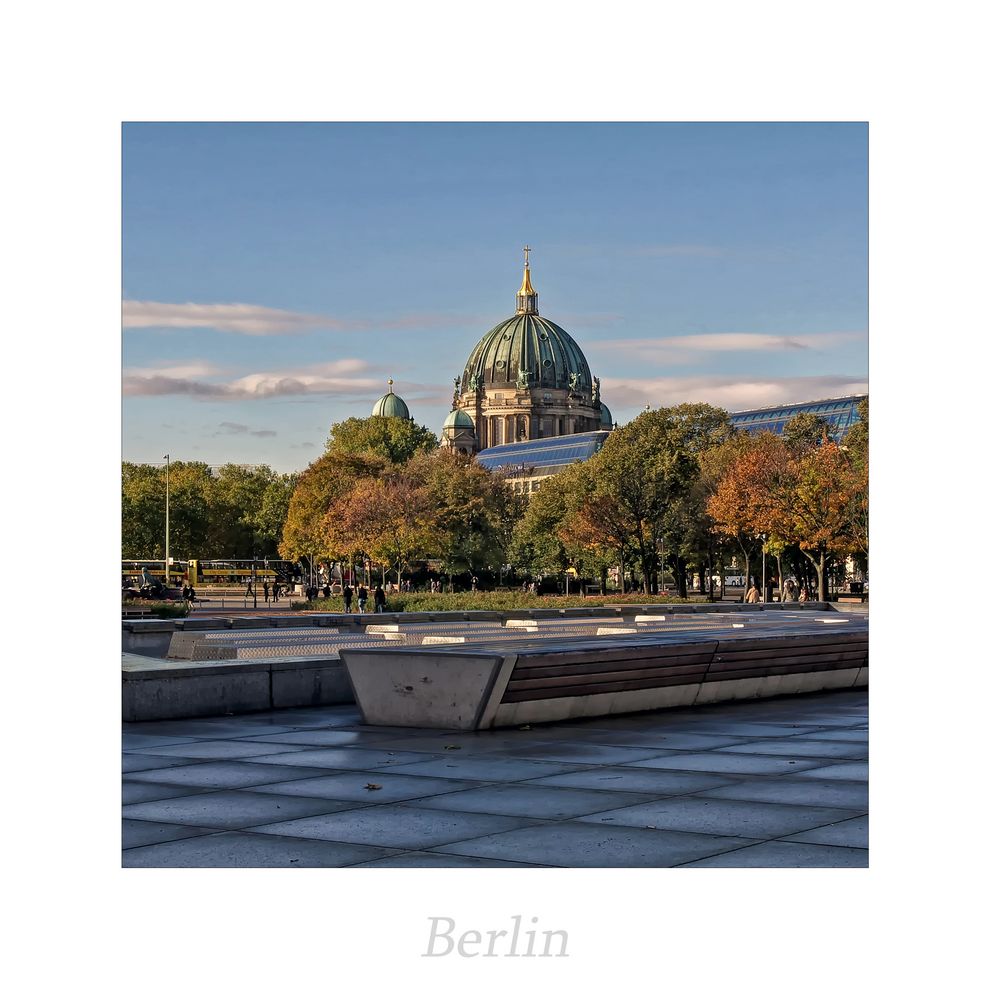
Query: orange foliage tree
x=802, y=496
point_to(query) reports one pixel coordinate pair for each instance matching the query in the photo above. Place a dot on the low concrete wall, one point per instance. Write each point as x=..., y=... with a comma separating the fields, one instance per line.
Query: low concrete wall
x=153, y=689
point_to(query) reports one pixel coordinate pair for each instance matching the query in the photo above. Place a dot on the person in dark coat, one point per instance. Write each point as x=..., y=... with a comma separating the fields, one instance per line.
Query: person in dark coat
x=265, y=590
x=362, y=599
x=379, y=600
x=348, y=594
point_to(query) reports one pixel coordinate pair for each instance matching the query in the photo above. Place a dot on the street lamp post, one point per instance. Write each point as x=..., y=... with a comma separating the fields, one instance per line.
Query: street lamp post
x=166, y=521
x=763, y=568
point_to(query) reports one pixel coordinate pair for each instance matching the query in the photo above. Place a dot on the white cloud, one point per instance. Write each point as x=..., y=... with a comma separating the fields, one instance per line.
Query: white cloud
x=262, y=321
x=688, y=348
x=177, y=369
x=733, y=392
x=341, y=377
x=234, y=317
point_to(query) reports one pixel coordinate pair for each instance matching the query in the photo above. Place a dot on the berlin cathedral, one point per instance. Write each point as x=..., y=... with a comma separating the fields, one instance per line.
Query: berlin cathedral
x=525, y=380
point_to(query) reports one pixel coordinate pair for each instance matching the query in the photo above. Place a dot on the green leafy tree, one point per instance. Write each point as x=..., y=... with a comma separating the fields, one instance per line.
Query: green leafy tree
x=651, y=469
x=392, y=438
x=805, y=432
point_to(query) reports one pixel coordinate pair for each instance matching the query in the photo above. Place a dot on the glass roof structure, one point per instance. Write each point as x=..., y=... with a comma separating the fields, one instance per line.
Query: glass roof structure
x=543, y=456
x=840, y=413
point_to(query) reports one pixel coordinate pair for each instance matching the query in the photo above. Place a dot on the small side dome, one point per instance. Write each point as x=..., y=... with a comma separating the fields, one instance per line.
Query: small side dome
x=459, y=420
x=391, y=405
x=605, y=418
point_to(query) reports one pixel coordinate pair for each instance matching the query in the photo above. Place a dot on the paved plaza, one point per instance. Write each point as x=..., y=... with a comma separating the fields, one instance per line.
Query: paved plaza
x=775, y=783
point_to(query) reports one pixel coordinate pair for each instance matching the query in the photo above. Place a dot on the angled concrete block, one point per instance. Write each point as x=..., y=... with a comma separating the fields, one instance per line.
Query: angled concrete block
x=420, y=688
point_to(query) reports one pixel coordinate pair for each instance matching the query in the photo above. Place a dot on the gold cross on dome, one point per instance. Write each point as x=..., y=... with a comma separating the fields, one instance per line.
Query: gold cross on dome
x=526, y=256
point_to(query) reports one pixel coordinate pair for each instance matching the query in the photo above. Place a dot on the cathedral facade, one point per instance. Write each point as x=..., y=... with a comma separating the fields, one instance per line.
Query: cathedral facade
x=525, y=380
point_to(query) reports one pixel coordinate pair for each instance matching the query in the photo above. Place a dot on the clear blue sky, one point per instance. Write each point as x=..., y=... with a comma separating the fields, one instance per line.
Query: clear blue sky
x=276, y=275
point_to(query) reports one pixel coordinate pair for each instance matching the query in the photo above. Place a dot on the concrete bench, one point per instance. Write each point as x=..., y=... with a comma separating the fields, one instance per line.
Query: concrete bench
x=549, y=680
x=182, y=644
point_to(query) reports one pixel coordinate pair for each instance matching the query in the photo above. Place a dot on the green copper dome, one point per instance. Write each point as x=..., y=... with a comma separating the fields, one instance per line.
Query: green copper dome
x=528, y=351
x=459, y=420
x=391, y=405
x=606, y=417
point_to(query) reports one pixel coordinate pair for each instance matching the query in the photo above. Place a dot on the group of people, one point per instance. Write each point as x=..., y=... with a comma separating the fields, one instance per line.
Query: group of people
x=188, y=594
x=275, y=591
x=791, y=592
x=348, y=594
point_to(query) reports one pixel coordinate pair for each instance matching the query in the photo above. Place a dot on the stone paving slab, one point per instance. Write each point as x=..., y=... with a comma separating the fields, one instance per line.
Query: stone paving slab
x=853, y=771
x=589, y=845
x=725, y=817
x=532, y=801
x=810, y=748
x=846, y=833
x=249, y=850
x=420, y=859
x=337, y=757
x=214, y=749
x=841, y=794
x=780, y=854
x=657, y=783
x=487, y=768
x=727, y=763
x=400, y=826
x=231, y=809
x=353, y=786
x=288, y=789
x=227, y=774
x=146, y=791
x=137, y=833
x=136, y=762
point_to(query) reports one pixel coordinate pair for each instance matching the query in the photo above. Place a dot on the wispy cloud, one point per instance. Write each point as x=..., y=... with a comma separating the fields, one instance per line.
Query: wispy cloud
x=263, y=321
x=227, y=427
x=733, y=392
x=177, y=369
x=690, y=347
x=235, y=317
x=340, y=377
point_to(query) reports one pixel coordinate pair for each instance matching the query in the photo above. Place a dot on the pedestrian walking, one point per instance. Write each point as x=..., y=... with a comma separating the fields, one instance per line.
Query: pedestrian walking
x=275, y=592
x=753, y=597
x=803, y=595
x=474, y=584
x=348, y=594
x=379, y=600
x=362, y=599
x=265, y=589
x=249, y=591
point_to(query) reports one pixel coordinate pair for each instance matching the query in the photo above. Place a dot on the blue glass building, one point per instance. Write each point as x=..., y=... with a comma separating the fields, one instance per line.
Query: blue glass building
x=840, y=413
x=525, y=463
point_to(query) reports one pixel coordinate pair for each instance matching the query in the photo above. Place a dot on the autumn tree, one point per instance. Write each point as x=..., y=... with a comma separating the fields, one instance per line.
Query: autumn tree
x=792, y=494
x=390, y=518
x=323, y=483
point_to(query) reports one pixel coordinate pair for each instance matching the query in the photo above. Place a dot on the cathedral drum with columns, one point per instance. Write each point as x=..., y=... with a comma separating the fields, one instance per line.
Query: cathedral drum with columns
x=526, y=379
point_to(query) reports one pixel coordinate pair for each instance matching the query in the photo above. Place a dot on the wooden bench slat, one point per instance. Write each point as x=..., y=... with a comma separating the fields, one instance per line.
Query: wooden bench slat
x=600, y=666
